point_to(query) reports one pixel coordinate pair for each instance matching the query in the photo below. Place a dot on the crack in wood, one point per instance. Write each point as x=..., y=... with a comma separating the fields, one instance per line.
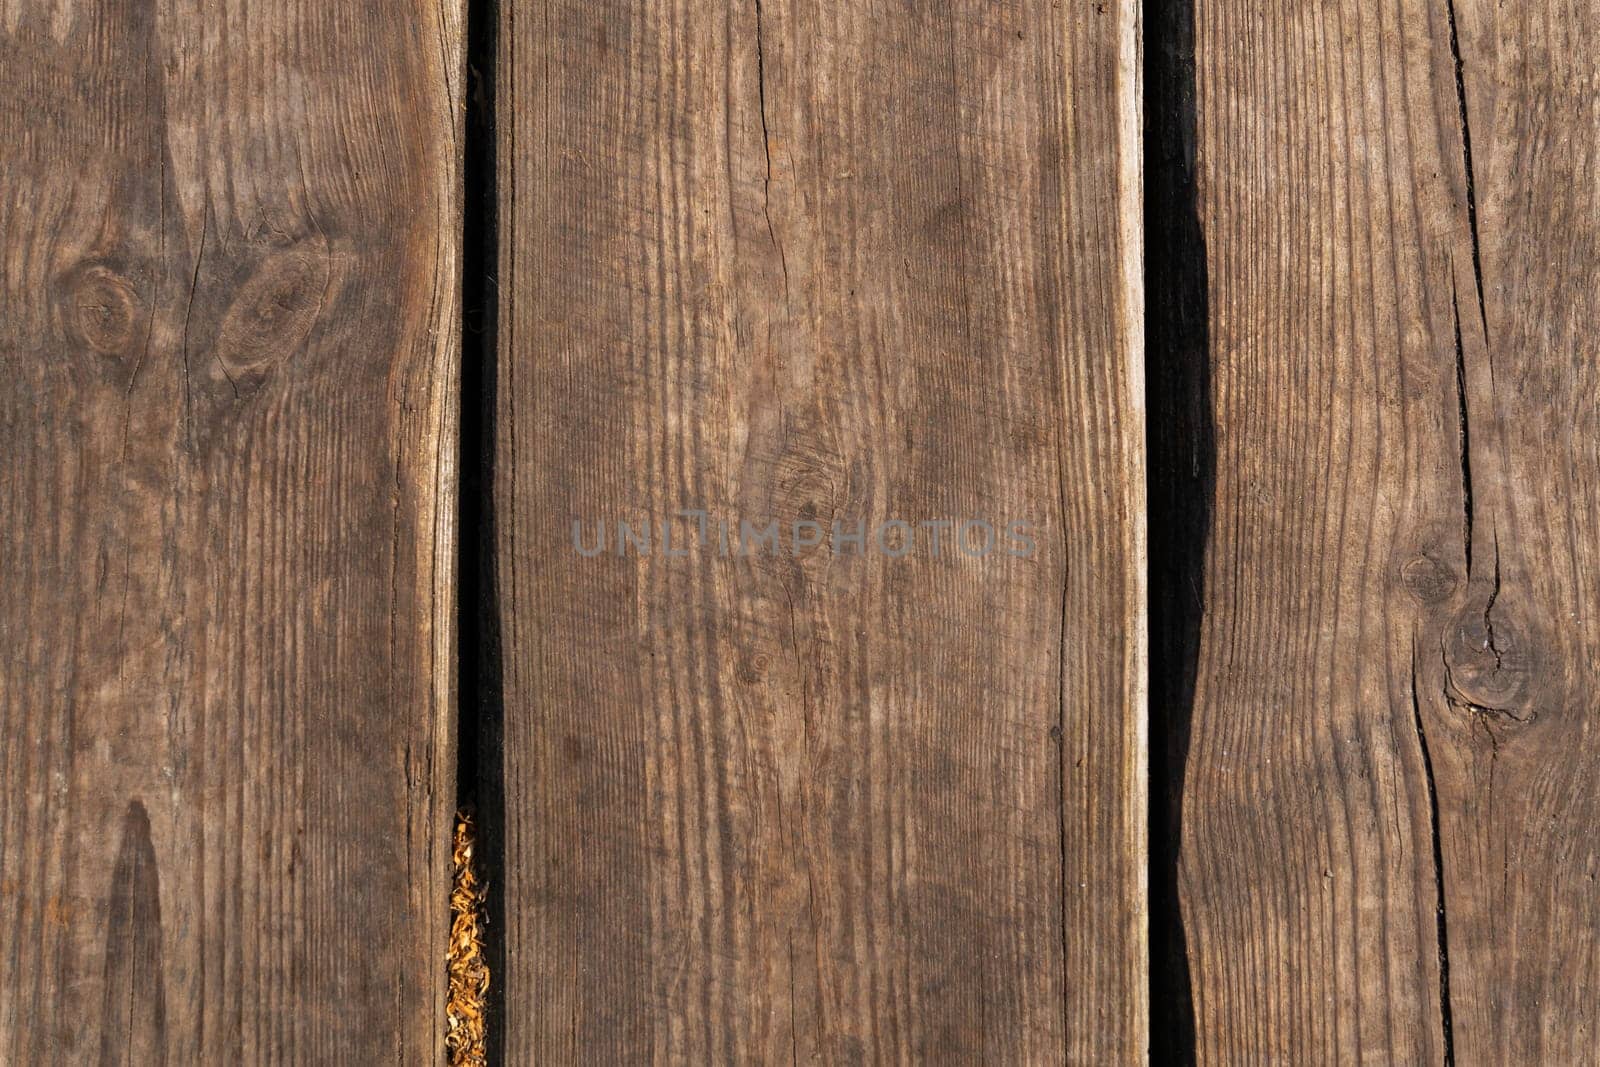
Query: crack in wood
x=1490, y=644
x=1445, y=1021
x=1464, y=429
x=1466, y=153
x=766, y=147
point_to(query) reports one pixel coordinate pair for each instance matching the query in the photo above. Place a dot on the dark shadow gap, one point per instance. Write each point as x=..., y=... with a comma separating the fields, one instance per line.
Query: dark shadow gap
x=1182, y=484
x=480, y=778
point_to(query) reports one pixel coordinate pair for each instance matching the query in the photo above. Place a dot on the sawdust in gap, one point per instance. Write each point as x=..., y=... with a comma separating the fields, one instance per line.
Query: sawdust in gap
x=468, y=970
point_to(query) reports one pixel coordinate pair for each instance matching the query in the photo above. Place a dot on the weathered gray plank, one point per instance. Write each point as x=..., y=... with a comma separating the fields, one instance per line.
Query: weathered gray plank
x=1388, y=849
x=228, y=277
x=821, y=263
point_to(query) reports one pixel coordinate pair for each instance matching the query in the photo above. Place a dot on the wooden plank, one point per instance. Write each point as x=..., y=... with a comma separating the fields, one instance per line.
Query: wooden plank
x=1388, y=842
x=228, y=332
x=844, y=263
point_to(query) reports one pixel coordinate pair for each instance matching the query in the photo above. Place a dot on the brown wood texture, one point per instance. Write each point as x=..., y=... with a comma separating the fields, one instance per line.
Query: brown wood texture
x=846, y=262
x=1388, y=848
x=228, y=333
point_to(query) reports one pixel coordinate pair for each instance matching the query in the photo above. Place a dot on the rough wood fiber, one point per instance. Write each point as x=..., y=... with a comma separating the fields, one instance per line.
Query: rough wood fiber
x=228, y=330
x=838, y=262
x=1389, y=851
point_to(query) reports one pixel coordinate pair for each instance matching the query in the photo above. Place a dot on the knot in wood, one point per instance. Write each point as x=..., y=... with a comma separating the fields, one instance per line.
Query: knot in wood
x=1429, y=580
x=273, y=313
x=1490, y=665
x=103, y=310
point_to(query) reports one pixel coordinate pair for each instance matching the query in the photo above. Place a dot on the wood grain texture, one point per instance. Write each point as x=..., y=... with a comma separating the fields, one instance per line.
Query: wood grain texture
x=846, y=263
x=1388, y=847
x=228, y=332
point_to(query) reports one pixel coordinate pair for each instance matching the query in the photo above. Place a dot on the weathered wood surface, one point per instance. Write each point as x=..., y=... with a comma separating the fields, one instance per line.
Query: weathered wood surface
x=1389, y=844
x=841, y=262
x=228, y=326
